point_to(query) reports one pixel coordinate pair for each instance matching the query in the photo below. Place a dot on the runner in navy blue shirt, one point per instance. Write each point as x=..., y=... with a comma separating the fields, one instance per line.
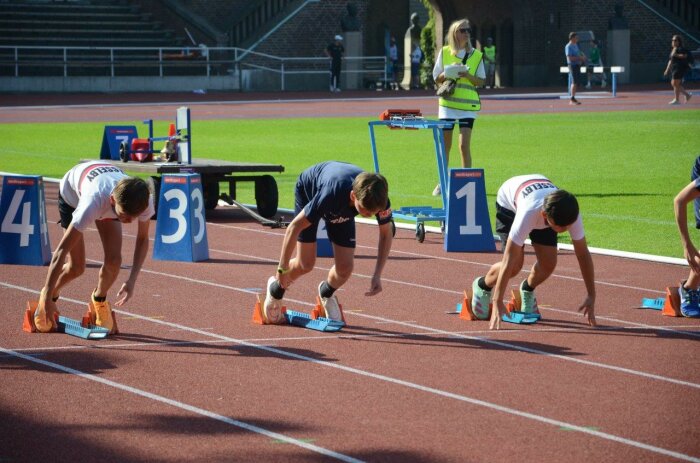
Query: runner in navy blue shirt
x=335, y=192
x=689, y=290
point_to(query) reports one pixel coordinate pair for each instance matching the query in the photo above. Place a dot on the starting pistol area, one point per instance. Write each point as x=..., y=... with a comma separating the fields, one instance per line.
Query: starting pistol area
x=189, y=375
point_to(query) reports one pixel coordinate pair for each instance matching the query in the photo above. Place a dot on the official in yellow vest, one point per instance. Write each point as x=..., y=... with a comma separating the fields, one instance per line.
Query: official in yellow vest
x=460, y=107
x=490, y=62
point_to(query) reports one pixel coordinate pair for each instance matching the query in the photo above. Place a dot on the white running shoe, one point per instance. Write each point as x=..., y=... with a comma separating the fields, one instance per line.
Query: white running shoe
x=674, y=101
x=272, y=308
x=330, y=306
x=437, y=191
x=528, y=302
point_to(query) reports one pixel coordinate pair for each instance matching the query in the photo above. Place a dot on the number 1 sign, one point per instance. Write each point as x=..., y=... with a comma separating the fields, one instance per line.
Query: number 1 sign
x=468, y=228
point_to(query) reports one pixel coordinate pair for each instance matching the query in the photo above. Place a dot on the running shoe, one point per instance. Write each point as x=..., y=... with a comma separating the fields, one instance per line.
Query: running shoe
x=103, y=314
x=272, y=308
x=528, y=302
x=690, y=301
x=330, y=306
x=437, y=191
x=481, y=300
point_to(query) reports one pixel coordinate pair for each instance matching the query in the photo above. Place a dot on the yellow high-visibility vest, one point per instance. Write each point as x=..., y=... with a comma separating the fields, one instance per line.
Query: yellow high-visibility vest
x=490, y=52
x=465, y=96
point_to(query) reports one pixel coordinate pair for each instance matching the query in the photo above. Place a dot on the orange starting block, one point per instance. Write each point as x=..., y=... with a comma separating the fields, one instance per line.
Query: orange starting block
x=669, y=306
x=86, y=328
x=314, y=321
x=465, y=311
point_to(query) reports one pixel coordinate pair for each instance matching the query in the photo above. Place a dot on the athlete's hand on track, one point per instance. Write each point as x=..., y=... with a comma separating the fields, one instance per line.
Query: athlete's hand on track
x=588, y=308
x=124, y=294
x=496, y=312
x=375, y=288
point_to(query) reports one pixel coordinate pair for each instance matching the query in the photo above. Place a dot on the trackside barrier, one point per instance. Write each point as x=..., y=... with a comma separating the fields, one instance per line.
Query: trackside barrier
x=181, y=230
x=24, y=237
x=613, y=70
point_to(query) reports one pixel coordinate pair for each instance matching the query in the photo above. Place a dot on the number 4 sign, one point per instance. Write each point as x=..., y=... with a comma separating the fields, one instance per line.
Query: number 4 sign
x=468, y=227
x=24, y=237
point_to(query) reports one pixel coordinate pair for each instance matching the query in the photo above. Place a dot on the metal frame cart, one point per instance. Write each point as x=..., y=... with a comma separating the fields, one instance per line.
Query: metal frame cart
x=412, y=119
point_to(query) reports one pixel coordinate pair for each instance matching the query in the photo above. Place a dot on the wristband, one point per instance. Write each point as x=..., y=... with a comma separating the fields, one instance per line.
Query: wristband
x=282, y=271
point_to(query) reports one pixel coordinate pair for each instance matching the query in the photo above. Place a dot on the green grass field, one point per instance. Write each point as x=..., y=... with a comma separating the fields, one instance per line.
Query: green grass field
x=625, y=167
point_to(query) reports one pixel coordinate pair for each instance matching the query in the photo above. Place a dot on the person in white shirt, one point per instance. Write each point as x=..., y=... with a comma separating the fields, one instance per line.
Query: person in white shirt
x=531, y=205
x=101, y=195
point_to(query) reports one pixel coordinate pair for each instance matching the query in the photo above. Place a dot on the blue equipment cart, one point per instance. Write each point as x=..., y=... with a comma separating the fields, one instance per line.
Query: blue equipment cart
x=411, y=119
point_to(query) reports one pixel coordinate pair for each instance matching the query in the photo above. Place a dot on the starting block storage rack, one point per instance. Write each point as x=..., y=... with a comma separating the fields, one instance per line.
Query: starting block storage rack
x=114, y=151
x=411, y=119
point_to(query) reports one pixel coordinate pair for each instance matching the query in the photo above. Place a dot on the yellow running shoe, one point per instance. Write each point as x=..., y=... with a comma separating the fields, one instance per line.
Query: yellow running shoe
x=43, y=322
x=103, y=314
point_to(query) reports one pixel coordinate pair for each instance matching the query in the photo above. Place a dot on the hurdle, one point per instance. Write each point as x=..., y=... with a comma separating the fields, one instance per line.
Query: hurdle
x=613, y=70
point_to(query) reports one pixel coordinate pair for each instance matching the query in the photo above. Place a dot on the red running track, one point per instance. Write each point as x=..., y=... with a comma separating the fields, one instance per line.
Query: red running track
x=192, y=378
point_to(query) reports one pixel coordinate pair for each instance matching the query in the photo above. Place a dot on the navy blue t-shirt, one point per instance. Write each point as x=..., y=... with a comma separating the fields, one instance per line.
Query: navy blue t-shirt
x=323, y=191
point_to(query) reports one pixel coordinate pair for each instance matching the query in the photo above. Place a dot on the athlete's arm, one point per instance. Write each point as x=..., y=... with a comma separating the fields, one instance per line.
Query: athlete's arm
x=680, y=206
x=512, y=255
x=385, y=240
x=140, y=253
x=585, y=262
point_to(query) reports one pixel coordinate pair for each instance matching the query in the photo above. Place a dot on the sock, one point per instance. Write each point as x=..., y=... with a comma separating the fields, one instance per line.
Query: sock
x=482, y=284
x=98, y=299
x=326, y=290
x=526, y=287
x=276, y=290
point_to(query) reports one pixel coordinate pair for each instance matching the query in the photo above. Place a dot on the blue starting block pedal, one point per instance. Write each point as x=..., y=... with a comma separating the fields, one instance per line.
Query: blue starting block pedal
x=521, y=318
x=75, y=328
x=654, y=304
x=305, y=321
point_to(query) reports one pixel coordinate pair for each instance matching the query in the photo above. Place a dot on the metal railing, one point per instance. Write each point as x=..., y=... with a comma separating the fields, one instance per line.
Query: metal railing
x=29, y=61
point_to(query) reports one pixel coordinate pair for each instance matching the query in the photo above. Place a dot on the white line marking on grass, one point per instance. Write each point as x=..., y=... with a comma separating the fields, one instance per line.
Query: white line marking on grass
x=408, y=384
x=183, y=406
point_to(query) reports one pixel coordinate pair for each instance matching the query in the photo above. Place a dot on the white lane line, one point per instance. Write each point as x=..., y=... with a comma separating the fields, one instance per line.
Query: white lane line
x=427, y=389
x=183, y=406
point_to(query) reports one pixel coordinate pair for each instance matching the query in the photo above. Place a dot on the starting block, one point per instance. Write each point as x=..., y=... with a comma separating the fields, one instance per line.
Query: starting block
x=397, y=116
x=669, y=306
x=85, y=328
x=515, y=315
x=464, y=309
x=312, y=321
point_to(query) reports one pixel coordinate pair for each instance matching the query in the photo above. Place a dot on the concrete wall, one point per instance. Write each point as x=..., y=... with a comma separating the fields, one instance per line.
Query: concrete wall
x=117, y=84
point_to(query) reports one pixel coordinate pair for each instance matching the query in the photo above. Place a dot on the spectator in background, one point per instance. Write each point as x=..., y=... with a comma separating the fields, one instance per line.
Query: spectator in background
x=574, y=58
x=678, y=65
x=416, y=59
x=490, y=63
x=594, y=59
x=461, y=107
x=394, y=60
x=335, y=51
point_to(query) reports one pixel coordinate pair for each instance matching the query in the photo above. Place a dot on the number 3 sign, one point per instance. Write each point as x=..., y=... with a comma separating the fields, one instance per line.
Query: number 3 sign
x=468, y=228
x=181, y=230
